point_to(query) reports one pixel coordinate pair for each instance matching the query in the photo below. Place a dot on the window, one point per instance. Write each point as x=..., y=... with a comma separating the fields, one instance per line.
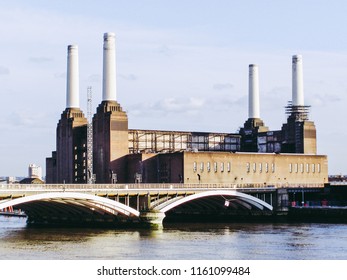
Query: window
x=248, y=166
x=266, y=167
x=290, y=168
x=208, y=167
x=215, y=167
x=222, y=167
x=254, y=167
x=307, y=167
x=273, y=168
x=260, y=167
x=201, y=166
x=296, y=168
x=194, y=166
x=301, y=167
x=228, y=167
x=318, y=167
x=313, y=168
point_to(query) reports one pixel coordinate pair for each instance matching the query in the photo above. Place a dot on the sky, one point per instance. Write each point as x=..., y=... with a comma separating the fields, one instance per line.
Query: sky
x=181, y=65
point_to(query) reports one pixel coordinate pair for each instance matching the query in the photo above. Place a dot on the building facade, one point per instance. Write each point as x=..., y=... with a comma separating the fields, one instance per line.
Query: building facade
x=253, y=156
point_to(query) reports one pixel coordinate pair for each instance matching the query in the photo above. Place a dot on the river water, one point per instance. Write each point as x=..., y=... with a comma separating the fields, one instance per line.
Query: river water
x=238, y=241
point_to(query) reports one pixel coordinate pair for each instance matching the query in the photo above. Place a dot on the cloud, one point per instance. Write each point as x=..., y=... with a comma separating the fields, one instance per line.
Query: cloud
x=170, y=105
x=20, y=119
x=321, y=100
x=276, y=97
x=165, y=50
x=95, y=78
x=129, y=77
x=40, y=59
x=4, y=70
x=227, y=103
x=223, y=86
x=60, y=75
x=180, y=105
x=25, y=120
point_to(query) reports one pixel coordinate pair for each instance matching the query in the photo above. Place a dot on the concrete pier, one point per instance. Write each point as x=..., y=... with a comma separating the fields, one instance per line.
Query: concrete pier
x=152, y=219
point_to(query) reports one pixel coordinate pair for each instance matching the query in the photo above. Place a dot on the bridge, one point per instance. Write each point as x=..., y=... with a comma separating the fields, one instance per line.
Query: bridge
x=137, y=204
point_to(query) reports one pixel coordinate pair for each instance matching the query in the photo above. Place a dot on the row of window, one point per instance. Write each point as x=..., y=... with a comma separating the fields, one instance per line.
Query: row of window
x=266, y=166
x=83, y=156
x=293, y=167
x=222, y=166
x=208, y=167
x=260, y=167
x=84, y=164
x=296, y=168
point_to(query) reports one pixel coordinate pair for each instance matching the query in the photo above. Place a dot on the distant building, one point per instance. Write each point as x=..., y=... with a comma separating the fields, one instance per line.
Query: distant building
x=11, y=180
x=34, y=171
x=253, y=156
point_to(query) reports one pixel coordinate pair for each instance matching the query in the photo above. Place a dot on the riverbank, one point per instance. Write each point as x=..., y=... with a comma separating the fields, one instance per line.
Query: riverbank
x=12, y=214
x=335, y=214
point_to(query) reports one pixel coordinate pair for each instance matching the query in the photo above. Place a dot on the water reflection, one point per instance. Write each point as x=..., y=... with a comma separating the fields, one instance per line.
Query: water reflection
x=175, y=241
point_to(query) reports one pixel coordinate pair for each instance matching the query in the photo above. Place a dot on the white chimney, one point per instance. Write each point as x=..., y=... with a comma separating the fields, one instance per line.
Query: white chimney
x=72, y=83
x=109, y=68
x=297, y=81
x=253, y=97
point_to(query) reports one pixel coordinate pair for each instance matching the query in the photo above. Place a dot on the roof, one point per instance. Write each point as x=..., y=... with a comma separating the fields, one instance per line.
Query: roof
x=31, y=181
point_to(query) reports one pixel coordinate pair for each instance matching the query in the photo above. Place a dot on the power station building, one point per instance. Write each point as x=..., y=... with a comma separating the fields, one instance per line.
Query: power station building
x=253, y=156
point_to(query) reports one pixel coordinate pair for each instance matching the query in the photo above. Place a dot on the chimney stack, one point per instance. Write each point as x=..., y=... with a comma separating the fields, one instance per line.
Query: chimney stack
x=297, y=81
x=72, y=83
x=253, y=98
x=109, y=68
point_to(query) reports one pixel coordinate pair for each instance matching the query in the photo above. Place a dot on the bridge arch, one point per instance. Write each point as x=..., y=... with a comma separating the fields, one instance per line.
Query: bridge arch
x=246, y=200
x=71, y=202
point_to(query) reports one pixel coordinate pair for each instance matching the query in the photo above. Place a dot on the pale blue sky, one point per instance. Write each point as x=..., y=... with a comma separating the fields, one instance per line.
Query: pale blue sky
x=181, y=65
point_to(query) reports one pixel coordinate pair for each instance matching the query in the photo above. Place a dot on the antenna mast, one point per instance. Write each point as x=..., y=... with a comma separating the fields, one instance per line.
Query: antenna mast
x=90, y=175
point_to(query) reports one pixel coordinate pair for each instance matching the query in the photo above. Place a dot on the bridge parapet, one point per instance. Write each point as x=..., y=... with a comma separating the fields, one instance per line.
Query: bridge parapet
x=89, y=187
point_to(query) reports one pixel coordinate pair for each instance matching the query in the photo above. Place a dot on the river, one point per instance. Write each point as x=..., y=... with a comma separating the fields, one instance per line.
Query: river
x=220, y=241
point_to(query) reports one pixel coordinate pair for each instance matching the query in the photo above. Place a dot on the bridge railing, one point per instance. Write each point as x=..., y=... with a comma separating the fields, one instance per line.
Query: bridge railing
x=66, y=187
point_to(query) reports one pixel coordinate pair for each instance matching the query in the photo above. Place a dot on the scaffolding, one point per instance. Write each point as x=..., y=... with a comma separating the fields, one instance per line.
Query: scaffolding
x=90, y=175
x=156, y=141
x=299, y=113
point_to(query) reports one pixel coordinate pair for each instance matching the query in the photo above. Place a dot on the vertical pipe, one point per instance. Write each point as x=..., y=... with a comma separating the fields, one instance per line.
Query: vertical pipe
x=72, y=83
x=109, y=68
x=297, y=81
x=253, y=90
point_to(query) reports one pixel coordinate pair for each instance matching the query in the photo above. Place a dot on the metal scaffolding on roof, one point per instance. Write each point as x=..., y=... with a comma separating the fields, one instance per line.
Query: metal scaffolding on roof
x=299, y=112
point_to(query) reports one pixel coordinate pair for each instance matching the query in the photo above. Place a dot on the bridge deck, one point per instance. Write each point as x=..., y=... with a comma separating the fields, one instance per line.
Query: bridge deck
x=17, y=190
